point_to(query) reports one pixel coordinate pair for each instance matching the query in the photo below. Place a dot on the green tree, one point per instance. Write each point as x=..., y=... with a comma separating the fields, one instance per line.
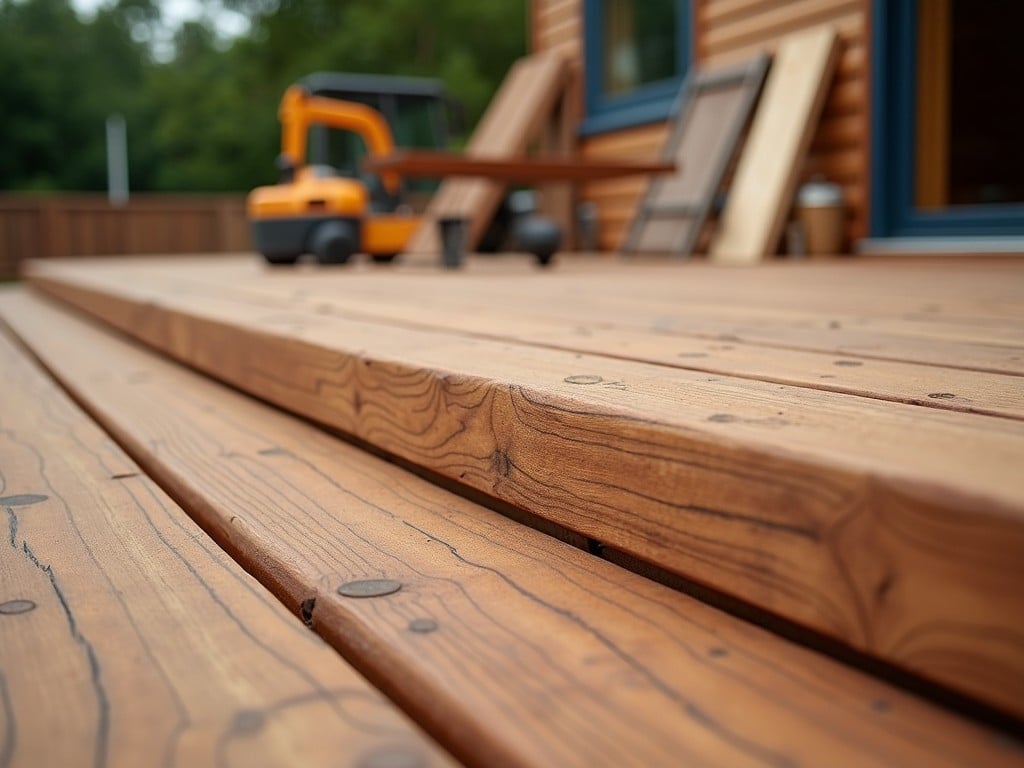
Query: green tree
x=468, y=44
x=205, y=120
x=60, y=78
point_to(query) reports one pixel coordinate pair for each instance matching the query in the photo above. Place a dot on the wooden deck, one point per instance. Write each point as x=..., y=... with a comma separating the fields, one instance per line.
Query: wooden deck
x=830, y=449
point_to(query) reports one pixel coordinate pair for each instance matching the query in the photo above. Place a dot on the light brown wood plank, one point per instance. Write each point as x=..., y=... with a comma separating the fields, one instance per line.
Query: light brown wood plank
x=578, y=329
x=874, y=522
x=949, y=316
x=555, y=12
x=127, y=637
x=569, y=30
x=541, y=653
x=956, y=292
x=762, y=191
x=779, y=20
x=849, y=29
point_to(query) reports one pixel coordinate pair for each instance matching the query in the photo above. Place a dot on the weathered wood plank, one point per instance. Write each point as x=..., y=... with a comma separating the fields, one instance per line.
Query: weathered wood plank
x=570, y=327
x=849, y=351
x=537, y=652
x=950, y=316
x=762, y=191
x=895, y=528
x=128, y=638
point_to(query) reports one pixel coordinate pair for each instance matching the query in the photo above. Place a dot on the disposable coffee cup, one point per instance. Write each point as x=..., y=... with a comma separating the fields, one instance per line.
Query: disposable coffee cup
x=453, y=232
x=820, y=210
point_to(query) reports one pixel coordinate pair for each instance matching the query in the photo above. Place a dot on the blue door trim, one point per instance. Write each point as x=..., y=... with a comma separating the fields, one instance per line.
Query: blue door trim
x=893, y=127
x=649, y=103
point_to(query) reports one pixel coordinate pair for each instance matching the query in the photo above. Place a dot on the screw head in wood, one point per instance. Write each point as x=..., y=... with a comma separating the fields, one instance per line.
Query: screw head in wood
x=422, y=626
x=14, y=607
x=369, y=588
x=22, y=499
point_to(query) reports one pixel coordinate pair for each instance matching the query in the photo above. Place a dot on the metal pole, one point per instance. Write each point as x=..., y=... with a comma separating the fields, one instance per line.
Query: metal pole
x=117, y=160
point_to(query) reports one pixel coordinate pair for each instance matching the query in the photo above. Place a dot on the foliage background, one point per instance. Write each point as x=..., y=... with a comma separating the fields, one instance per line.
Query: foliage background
x=202, y=115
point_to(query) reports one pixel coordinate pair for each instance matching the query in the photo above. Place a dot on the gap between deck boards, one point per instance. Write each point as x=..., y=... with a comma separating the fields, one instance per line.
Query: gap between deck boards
x=723, y=349
x=793, y=671
x=825, y=479
x=806, y=637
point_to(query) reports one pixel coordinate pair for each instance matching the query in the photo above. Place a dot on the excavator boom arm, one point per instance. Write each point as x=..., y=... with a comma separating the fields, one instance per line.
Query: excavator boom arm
x=299, y=110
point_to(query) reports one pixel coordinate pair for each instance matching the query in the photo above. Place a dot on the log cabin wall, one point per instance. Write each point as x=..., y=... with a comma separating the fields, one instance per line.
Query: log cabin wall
x=731, y=30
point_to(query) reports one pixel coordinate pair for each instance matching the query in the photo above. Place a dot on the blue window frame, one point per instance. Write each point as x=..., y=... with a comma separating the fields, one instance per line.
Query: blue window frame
x=657, y=58
x=894, y=96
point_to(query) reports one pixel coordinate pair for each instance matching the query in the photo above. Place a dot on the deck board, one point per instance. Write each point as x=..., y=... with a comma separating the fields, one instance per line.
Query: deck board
x=542, y=655
x=128, y=638
x=676, y=341
x=893, y=527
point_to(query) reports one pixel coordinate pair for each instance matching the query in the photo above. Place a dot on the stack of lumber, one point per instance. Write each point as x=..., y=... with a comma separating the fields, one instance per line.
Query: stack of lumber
x=589, y=517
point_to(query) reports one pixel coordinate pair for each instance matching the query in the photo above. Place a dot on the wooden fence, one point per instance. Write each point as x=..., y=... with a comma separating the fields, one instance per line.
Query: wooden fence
x=48, y=226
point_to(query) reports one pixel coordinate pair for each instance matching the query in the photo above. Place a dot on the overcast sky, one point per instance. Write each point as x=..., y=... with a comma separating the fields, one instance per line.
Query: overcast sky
x=174, y=12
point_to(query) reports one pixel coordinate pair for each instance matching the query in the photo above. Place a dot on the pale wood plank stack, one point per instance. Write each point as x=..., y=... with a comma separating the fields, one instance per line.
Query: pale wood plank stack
x=762, y=193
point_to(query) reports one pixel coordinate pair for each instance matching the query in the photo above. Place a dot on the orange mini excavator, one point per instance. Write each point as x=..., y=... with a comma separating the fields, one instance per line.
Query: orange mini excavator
x=314, y=209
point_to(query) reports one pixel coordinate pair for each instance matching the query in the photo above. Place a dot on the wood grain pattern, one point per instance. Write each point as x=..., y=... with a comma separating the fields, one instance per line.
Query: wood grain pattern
x=899, y=332
x=539, y=654
x=776, y=20
x=688, y=336
x=769, y=169
x=895, y=528
x=557, y=25
x=128, y=638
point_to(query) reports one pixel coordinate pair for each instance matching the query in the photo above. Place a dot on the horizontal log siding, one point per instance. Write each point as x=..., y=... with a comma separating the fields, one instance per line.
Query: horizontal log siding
x=725, y=31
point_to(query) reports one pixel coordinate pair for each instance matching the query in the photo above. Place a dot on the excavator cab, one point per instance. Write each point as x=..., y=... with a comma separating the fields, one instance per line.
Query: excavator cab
x=419, y=112
x=323, y=203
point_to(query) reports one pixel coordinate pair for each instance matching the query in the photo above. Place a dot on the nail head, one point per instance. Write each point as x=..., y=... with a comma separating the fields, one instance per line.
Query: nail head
x=583, y=378
x=22, y=499
x=422, y=626
x=369, y=588
x=14, y=607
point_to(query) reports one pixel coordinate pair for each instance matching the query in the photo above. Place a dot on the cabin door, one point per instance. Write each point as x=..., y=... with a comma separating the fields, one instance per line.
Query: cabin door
x=948, y=118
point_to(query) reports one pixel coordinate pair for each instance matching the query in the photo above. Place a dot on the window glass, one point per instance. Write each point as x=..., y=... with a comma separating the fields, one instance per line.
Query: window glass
x=969, y=58
x=639, y=43
x=636, y=53
x=417, y=122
